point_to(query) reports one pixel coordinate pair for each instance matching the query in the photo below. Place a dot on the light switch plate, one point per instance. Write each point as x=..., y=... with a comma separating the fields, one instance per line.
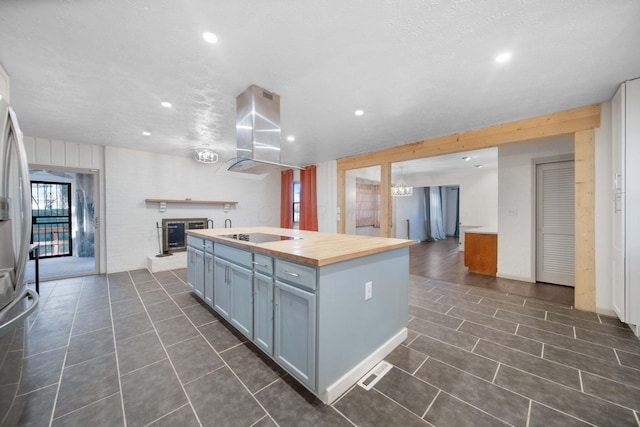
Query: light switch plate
x=368, y=291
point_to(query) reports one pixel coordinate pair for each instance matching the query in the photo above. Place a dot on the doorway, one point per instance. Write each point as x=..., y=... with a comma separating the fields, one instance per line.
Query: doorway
x=555, y=223
x=362, y=209
x=64, y=203
x=51, y=218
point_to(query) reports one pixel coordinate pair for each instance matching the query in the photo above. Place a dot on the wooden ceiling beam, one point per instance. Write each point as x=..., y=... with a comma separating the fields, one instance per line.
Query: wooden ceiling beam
x=560, y=123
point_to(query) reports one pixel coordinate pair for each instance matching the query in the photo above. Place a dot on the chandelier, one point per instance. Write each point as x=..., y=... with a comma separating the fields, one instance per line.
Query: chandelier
x=205, y=155
x=401, y=188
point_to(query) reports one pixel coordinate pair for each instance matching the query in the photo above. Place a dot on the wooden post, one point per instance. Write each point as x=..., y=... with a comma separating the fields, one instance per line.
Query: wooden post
x=585, y=259
x=385, y=200
x=342, y=202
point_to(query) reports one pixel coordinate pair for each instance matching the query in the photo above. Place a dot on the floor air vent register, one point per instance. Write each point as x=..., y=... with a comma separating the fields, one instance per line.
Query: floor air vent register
x=373, y=376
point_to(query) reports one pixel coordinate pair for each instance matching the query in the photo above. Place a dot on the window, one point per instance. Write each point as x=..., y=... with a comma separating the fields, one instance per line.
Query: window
x=296, y=202
x=367, y=203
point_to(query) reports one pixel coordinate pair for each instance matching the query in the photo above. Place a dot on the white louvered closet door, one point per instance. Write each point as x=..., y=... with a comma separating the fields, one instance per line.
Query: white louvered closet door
x=555, y=219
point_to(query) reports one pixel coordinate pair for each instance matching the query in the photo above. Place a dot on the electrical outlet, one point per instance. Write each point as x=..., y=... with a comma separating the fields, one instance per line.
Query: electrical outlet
x=513, y=212
x=368, y=291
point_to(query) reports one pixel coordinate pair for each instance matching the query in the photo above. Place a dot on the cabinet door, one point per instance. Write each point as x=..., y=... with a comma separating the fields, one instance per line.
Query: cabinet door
x=195, y=271
x=221, y=287
x=199, y=276
x=263, y=312
x=241, y=290
x=618, y=128
x=295, y=332
x=191, y=267
x=632, y=202
x=208, y=279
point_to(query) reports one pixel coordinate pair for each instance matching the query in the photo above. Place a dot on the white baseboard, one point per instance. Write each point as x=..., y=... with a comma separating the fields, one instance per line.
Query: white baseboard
x=343, y=384
x=514, y=277
x=606, y=312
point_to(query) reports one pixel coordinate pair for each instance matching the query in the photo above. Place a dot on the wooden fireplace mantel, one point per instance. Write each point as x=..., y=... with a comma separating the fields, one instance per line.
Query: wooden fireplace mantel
x=190, y=201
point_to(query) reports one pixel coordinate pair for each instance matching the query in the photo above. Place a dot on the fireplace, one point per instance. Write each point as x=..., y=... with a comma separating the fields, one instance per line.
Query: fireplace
x=174, y=232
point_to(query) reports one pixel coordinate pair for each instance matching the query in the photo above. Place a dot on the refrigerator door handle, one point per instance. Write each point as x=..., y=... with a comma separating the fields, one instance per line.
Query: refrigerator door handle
x=26, y=292
x=25, y=194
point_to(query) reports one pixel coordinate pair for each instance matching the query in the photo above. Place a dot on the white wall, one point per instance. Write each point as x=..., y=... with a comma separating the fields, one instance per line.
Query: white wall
x=478, y=194
x=409, y=208
x=133, y=176
x=4, y=84
x=74, y=156
x=603, y=214
x=516, y=191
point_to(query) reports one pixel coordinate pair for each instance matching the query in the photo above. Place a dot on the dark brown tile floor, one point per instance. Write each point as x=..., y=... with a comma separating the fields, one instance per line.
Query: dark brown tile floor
x=139, y=348
x=442, y=260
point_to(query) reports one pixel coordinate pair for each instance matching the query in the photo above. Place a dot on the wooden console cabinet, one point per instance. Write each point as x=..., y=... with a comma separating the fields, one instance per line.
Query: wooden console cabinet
x=481, y=252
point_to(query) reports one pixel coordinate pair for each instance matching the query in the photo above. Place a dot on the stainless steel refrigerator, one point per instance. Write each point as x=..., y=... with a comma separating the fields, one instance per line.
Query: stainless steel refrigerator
x=15, y=222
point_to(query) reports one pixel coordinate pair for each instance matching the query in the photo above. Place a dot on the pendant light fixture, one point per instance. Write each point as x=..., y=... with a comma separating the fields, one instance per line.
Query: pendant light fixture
x=205, y=155
x=401, y=188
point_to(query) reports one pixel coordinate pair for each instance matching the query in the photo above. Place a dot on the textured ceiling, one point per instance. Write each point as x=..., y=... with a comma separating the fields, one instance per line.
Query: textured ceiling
x=449, y=164
x=95, y=71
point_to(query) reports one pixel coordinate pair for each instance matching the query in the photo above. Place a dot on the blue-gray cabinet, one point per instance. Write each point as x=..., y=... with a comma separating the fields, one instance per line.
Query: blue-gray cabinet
x=263, y=312
x=221, y=295
x=208, y=278
x=295, y=331
x=241, y=289
x=263, y=302
x=233, y=287
x=195, y=270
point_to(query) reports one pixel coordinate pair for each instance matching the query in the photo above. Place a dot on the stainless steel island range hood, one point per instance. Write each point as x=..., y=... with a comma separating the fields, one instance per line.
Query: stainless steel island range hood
x=258, y=132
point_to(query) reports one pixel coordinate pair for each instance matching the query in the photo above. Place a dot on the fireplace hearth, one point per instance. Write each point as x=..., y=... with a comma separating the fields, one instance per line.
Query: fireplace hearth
x=174, y=232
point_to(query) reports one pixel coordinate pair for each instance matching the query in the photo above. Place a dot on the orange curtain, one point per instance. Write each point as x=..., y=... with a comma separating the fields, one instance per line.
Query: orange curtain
x=308, y=199
x=286, y=199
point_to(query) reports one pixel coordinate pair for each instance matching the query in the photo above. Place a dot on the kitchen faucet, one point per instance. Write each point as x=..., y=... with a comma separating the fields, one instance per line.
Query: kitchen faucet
x=225, y=223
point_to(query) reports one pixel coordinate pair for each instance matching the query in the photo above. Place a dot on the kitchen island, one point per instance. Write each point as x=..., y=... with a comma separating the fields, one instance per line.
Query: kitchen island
x=326, y=307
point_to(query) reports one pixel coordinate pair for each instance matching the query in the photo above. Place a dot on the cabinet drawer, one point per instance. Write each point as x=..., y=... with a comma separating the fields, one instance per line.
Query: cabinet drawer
x=235, y=255
x=208, y=246
x=196, y=242
x=298, y=274
x=263, y=264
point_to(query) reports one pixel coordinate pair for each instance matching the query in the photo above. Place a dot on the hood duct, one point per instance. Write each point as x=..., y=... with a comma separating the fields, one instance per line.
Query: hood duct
x=258, y=132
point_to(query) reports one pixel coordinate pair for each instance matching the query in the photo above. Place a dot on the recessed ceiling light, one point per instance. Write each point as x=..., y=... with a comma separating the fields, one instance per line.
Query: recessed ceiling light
x=359, y=112
x=210, y=37
x=145, y=133
x=166, y=104
x=291, y=138
x=479, y=166
x=466, y=158
x=503, y=57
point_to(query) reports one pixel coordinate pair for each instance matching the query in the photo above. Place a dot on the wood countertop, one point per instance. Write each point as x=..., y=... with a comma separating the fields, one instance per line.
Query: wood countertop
x=311, y=247
x=481, y=230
